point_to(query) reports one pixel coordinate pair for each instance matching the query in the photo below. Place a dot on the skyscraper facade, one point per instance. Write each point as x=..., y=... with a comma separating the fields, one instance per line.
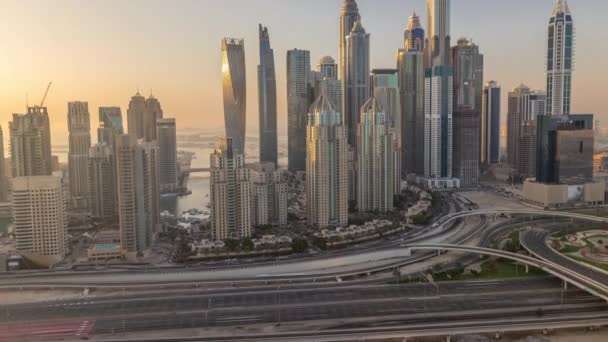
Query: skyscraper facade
x=524, y=106
x=326, y=166
x=356, y=82
x=268, y=195
x=328, y=83
x=349, y=15
x=138, y=194
x=565, y=145
x=378, y=158
x=31, y=143
x=327, y=68
x=153, y=112
x=3, y=178
x=438, y=31
x=490, y=124
x=39, y=218
x=385, y=91
x=299, y=98
x=110, y=124
x=438, y=94
x=230, y=193
x=234, y=90
x=267, y=100
x=468, y=99
x=167, y=154
x=560, y=60
x=79, y=129
x=410, y=66
x=136, y=116
x=102, y=185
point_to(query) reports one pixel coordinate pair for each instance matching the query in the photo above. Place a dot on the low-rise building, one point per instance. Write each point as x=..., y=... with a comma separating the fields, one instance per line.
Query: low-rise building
x=104, y=252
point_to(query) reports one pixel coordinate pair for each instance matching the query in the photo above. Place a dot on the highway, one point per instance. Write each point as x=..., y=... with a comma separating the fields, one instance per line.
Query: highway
x=335, y=307
x=535, y=242
x=343, y=308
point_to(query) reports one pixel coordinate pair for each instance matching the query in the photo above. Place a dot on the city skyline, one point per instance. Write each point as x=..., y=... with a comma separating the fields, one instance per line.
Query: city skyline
x=99, y=83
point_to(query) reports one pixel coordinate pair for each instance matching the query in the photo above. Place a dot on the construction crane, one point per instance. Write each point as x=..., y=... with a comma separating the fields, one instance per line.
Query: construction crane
x=45, y=94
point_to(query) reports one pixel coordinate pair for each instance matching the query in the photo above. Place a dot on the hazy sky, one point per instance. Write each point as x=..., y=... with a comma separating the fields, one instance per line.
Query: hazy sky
x=101, y=51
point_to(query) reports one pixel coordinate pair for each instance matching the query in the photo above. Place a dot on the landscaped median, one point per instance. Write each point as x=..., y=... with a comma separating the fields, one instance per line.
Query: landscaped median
x=589, y=247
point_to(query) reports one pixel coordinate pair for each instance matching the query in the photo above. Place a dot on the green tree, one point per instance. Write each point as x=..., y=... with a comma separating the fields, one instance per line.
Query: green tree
x=247, y=244
x=299, y=245
x=320, y=242
x=232, y=244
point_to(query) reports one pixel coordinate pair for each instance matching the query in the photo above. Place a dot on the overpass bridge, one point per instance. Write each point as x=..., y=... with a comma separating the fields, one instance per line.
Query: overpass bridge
x=583, y=281
x=525, y=212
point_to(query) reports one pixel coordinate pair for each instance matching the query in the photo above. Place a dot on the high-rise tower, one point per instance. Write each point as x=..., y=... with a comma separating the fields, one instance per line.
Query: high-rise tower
x=490, y=124
x=31, y=143
x=3, y=178
x=524, y=107
x=153, y=112
x=438, y=95
x=138, y=193
x=377, y=157
x=326, y=166
x=267, y=100
x=136, y=116
x=235, y=90
x=299, y=96
x=438, y=31
x=327, y=82
x=39, y=218
x=356, y=82
x=110, y=124
x=167, y=154
x=79, y=128
x=560, y=60
x=102, y=182
x=410, y=66
x=349, y=15
x=468, y=91
x=230, y=188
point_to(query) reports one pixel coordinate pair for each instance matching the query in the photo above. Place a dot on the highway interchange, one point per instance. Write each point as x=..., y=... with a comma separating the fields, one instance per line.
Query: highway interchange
x=337, y=294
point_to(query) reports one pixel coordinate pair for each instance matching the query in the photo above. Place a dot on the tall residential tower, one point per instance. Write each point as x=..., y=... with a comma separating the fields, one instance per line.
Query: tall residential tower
x=299, y=97
x=468, y=94
x=356, y=82
x=438, y=96
x=31, y=143
x=326, y=166
x=560, y=60
x=79, y=129
x=235, y=90
x=490, y=124
x=410, y=66
x=267, y=100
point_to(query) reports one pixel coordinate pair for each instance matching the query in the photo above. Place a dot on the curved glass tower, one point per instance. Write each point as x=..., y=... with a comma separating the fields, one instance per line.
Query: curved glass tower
x=234, y=86
x=560, y=53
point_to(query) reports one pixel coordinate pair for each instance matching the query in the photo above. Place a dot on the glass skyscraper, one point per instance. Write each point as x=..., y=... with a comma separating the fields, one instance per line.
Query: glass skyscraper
x=410, y=66
x=234, y=89
x=267, y=100
x=560, y=53
x=490, y=124
x=357, y=79
x=300, y=94
x=438, y=94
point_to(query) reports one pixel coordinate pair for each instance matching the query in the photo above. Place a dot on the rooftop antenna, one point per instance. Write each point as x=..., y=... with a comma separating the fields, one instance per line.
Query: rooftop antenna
x=27, y=101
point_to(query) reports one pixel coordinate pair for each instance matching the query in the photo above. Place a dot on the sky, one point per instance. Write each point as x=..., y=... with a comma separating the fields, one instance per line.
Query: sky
x=104, y=51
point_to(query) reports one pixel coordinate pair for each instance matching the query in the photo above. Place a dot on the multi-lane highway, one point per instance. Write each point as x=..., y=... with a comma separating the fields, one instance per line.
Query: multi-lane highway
x=335, y=308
